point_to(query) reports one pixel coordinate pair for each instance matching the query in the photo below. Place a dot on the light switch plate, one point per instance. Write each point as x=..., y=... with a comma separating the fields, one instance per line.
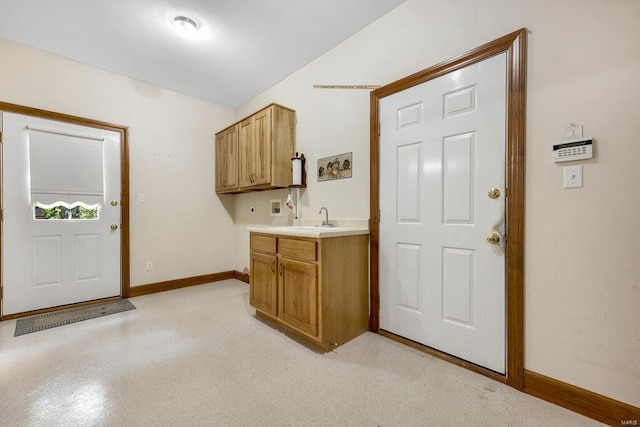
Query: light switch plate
x=573, y=176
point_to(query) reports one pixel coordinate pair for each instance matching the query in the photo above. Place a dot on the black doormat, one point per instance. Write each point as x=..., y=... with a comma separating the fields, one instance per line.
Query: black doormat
x=70, y=315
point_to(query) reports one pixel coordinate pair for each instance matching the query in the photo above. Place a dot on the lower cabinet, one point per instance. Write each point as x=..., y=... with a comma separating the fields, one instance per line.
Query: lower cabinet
x=315, y=288
x=298, y=295
x=265, y=291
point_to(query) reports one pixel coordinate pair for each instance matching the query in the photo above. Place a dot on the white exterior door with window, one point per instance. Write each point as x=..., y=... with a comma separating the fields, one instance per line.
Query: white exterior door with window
x=71, y=175
x=442, y=149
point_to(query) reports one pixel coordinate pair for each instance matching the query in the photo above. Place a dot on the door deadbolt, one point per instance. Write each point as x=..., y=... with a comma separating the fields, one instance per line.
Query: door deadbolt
x=114, y=226
x=114, y=203
x=493, y=238
x=494, y=193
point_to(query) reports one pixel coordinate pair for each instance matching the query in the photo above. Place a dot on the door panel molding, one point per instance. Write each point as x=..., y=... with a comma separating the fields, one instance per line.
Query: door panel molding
x=514, y=45
x=124, y=184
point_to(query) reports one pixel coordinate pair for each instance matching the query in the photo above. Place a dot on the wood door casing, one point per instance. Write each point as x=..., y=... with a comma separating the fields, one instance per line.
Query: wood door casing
x=298, y=295
x=515, y=46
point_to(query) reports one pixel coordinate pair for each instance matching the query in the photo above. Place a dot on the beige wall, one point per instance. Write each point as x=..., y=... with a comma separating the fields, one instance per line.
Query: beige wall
x=582, y=275
x=182, y=226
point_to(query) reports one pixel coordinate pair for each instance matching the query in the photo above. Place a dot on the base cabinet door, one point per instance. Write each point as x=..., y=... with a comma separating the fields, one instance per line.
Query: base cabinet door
x=298, y=295
x=264, y=289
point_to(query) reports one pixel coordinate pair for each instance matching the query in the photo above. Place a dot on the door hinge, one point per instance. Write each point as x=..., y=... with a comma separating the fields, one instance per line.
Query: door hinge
x=379, y=128
x=0, y=137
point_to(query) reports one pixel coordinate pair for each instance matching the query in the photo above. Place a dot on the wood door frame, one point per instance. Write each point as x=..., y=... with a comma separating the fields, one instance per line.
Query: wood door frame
x=125, y=284
x=514, y=45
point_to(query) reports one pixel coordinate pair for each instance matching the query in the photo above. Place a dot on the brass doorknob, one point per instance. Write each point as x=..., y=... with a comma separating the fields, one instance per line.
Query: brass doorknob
x=493, y=193
x=114, y=226
x=114, y=203
x=493, y=238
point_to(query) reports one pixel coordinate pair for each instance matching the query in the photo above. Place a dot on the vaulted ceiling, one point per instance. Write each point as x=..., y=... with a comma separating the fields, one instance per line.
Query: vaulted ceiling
x=242, y=48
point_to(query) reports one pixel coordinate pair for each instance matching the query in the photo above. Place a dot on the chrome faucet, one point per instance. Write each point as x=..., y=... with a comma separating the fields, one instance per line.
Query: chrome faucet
x=326, y=222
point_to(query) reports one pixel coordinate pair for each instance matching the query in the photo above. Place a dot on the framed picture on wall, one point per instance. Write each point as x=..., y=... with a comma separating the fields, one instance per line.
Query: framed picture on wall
x=335, y=167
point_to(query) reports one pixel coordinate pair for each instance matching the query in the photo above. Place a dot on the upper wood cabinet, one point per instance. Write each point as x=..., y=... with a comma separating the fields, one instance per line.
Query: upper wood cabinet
x=265, y=146
x=227, y=160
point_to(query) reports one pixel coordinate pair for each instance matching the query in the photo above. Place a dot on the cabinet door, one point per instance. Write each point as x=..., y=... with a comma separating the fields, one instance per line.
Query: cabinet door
x=298, y=295
x=227, y=160
x=230, y=176
x=261, y=158
x=263, y=288
x=246, y=140
x=220, y=161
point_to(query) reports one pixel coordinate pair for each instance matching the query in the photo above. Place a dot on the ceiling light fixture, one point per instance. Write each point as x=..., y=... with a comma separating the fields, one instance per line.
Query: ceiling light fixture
x=185, y=27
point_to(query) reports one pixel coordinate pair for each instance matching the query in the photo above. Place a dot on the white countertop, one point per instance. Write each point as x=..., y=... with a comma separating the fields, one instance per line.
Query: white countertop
x=311, y=231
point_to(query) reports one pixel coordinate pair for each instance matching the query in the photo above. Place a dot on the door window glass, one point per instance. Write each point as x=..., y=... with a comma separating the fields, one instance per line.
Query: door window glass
x=61, y=210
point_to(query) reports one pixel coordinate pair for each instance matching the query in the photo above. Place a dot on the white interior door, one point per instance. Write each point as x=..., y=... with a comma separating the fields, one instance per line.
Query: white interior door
x=442, y=148
x=68, y=173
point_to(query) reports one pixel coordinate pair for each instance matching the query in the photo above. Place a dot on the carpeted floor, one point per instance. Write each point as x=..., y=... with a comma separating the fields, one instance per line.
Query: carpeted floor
x=70, y=315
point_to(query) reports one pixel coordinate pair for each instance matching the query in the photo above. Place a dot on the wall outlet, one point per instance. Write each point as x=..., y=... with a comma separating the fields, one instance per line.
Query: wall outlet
x=140, y=197
x=149, y=265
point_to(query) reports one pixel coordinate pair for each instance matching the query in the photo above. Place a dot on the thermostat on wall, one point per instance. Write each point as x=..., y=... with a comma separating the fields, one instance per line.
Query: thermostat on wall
x=573, y=149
